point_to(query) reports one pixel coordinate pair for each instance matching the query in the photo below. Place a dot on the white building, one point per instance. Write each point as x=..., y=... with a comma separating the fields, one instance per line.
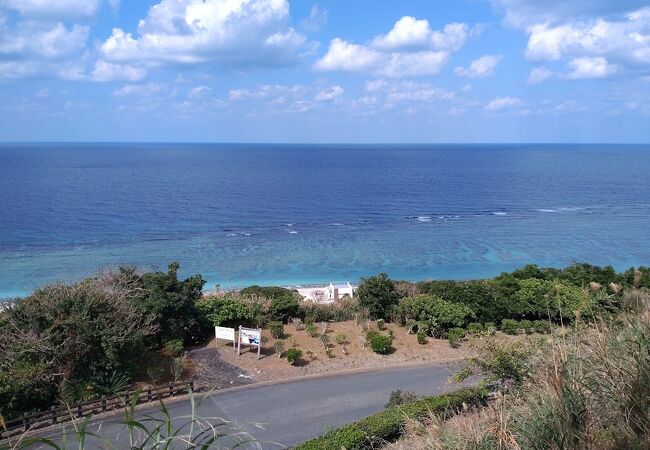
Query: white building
x=337, y=290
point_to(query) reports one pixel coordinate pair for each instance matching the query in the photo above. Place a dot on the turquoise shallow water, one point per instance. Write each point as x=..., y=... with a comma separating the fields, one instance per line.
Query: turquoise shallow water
x=274, y=214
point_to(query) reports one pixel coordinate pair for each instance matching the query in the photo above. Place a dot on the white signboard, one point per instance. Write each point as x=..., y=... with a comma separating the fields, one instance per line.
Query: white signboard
x=227, y=334
x=250, y=336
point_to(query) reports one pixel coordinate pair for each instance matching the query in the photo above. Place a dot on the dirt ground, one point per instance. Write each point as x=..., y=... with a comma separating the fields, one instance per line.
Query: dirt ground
x=270, y=367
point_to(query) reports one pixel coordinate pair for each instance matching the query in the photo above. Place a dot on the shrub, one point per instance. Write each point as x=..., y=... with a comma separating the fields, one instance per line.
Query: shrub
x=434, y=315
x=380, y=324
x=284, y=307
x=227, y=311
x=174, y=347
x=422, y=337
x=387, y=426
x=277, y=330
x=475, y=328
x=527, y=326
x=399, y=397
x=509, y=326
x=341, y=339
x=379, y=343
x=542, y=326
x=278, y=347
x=455, y=336
x=377, y=294
x=311, y=330
x=293, y=355
x=271, y=292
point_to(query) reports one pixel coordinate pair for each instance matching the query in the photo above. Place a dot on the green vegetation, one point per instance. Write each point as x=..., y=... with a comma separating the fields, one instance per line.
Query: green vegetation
x=433, y=315
x=293, y=355
x=455, y=336
x=277, y=330
x=378, y=295
x=386, y=426
x=379, y=343
x=422, y=337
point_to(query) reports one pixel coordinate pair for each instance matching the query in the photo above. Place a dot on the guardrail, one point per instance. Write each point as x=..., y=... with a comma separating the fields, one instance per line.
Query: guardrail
x=56, y=415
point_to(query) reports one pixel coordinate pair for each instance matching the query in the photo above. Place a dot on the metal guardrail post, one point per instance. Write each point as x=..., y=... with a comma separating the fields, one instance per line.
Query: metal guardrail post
x=191, y=386
x=171, y=389
x=53, y=409
x=25, y=422
x=103, y=403
x=79, y=412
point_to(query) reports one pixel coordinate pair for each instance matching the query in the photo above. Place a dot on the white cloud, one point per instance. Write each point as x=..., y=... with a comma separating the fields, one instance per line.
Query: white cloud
x=139, y=89
x=106, y=71
x=586, y=67
x=539, y=75
x=409, y=49
x=221, y=32
x=501, y=103
x=480, y=68
x=413, y=64
x=345, y=56
x=329, y=94
x=199, y=91
x=272, y=91
x=53, y=9
x=409, y=33
x=399, y=91
x=35, y=40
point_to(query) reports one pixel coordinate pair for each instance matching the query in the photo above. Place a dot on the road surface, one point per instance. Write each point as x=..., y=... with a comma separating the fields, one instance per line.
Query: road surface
x=282, y=414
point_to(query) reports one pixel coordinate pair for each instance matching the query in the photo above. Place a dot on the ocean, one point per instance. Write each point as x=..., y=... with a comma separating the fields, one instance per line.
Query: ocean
x=245, y=214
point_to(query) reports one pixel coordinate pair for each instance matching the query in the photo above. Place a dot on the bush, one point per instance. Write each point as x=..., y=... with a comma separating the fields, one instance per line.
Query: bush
x=527, y=326
x=399, y=397
x=284, y=308
x=433, y=314
x=475, y=328
x=271, y=292
x=422, y=337
x=378, y=295
x=509, y=326
x=455, y=336
x=227, y=311
x=379, y=343
x=311, y=330
x=293, y=355
x=542, y=326
x=387, y=426
x=277, y=330
x=174, y=347
x=380, y=324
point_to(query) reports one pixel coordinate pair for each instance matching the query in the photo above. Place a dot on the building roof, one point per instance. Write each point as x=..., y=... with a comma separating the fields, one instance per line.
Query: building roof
x=340, y=285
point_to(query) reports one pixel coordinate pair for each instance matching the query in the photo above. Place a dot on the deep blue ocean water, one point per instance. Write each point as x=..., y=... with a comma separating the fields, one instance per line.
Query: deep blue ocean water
x=298, y=214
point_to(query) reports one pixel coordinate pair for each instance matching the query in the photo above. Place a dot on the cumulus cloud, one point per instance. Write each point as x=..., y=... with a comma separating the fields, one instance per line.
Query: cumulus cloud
x=33, y=39
x=586, y=67
x=329, y=94
x=480, y=68
x=501, y=103
x=139, y=89
x=53, y=9
x=410, y=48
x=317, y=19
x=221, y=32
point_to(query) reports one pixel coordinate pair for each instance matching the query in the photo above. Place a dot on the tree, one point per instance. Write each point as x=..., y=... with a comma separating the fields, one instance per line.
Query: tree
x=378, y=295
x=433, y=315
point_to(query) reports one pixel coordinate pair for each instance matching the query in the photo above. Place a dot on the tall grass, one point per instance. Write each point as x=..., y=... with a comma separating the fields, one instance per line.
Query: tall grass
x=161, y=431
x=587, y=389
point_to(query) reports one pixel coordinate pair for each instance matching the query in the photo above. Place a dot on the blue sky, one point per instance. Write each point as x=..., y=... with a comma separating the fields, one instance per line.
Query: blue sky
x=326, y=71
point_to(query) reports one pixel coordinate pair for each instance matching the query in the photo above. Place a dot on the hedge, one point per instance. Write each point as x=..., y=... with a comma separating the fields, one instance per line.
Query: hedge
x=388, y=425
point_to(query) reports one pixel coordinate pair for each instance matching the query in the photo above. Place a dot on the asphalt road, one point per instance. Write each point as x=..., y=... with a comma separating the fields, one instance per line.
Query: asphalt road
x=282, y=414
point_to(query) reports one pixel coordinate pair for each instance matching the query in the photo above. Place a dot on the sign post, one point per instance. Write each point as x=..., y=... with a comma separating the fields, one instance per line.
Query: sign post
x=224, y=333
x=251, y=337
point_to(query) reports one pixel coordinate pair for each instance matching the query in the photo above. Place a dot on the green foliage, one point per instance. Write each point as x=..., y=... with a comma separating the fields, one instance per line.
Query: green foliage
x=455, y=336
x=270, y=292
x=475, y=328
x=434, y=315
x=341, y=339
x=380, y=324
x=422, y=337
x=311, y=330
x=293, y=355
x=527, y=326
x=225, y=311
x=542, y=298
x=399, y=397
x=171, y=302
x=379, y=343
x=542, y=326
x=174, y=347
x=509, y=326
x=284, y=307
x=378, y=295
x=277, y=330
x=387, y=426
x=278, y=347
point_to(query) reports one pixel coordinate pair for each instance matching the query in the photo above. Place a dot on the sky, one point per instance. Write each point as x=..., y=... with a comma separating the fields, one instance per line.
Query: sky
x=331, y=71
